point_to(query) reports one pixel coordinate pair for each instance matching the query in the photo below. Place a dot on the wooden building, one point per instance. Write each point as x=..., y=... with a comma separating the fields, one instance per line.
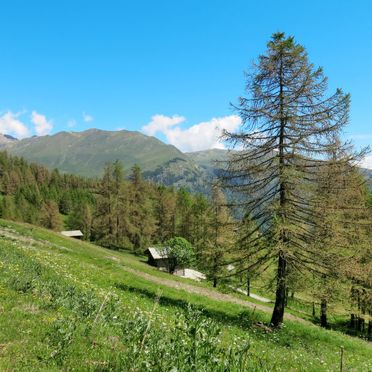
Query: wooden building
x=157, y=257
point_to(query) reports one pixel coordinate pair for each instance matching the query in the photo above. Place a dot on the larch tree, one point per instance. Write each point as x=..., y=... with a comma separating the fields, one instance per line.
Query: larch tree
x=184, y=214
x=287, y=130
x=219, y=237
x=356, y=263
x=111, y=224
x=50, y=217
x=143, y=223
x=103, y=220
x=199, y=217
x=165, y=213
x=342, y=220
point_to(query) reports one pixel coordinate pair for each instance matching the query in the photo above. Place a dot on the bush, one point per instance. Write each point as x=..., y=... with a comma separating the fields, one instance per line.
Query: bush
x=180, y=253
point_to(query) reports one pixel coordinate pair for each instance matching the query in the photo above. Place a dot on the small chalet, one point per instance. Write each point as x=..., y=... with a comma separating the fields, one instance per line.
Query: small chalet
x=77, y=234
x=157, y=257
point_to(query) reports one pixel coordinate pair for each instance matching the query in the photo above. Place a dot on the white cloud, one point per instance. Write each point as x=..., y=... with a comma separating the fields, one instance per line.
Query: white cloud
x=201, y=136
x=162, y=124
x=42, y=125
x=71, y=123
x=10, y=124
x=87, y=118
x=366, y=162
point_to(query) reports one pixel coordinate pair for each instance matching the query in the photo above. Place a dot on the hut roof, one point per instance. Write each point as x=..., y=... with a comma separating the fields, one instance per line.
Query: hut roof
x=157, y=253
x=72, y=233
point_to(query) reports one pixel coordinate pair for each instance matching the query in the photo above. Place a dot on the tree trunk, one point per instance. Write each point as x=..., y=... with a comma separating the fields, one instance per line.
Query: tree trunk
x=278, y=313
x=352, y=321
x=248, y=285
x=361, y=324
x=323, y=313
x=313, y=309
x=214, y=282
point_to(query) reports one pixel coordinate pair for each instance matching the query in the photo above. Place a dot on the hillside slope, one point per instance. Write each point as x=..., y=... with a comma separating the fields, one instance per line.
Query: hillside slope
x=71, y=305
x=85, y=153
x=6, y=140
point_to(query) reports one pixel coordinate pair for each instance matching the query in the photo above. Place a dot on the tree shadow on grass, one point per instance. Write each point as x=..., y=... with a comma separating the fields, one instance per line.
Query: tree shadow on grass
x=245, y=319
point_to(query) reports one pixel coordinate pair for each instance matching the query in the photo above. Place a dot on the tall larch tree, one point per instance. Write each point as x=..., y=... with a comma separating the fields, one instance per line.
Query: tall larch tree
x=287, y=127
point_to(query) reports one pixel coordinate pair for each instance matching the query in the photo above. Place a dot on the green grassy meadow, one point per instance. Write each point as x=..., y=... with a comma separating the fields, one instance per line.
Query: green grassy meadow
x=71, y=305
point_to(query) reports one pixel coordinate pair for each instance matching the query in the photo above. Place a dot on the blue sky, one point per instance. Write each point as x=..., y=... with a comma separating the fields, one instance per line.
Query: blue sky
x=169, y=68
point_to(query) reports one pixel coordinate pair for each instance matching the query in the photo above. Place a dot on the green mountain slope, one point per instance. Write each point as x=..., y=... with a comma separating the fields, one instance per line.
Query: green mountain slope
x=209, y=160
x=85, y=153
x=70, y=305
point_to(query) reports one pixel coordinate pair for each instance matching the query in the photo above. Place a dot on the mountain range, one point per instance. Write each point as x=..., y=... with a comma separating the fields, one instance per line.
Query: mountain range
x=86, y=153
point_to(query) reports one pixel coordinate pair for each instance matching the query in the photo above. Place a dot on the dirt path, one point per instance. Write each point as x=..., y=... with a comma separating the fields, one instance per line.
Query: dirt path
x=253, y=295
x=208, y=293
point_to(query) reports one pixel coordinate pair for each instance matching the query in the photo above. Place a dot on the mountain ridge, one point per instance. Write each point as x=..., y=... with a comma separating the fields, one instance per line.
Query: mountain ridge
x=72, y=152
x=85, y=153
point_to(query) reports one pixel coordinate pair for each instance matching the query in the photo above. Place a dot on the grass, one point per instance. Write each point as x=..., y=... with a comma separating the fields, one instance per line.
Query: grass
x=66, y=304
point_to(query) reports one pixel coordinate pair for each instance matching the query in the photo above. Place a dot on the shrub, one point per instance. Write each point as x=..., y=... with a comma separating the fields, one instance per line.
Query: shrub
x=180, y=253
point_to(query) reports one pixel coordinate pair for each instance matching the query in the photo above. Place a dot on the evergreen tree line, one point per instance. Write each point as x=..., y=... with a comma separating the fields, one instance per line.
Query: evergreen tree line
x=30, y=193
x=117, y=211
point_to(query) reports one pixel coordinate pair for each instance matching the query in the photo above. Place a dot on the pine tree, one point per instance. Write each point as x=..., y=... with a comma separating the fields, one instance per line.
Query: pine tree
x=219, y=237
x=141, y=215
x=111, y=223
x=165, y=213
x=342, y=224
x=103, y=221
x=287, y=130
x=80, y=218
x=200, y=212
x=184, y=214
x=50, y=217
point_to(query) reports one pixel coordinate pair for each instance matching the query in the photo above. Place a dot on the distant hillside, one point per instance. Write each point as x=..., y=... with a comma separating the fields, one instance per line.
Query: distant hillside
x=85, y=153
x=209, y=160
x=368, y=176
x=181, y=172
x=6, y=139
